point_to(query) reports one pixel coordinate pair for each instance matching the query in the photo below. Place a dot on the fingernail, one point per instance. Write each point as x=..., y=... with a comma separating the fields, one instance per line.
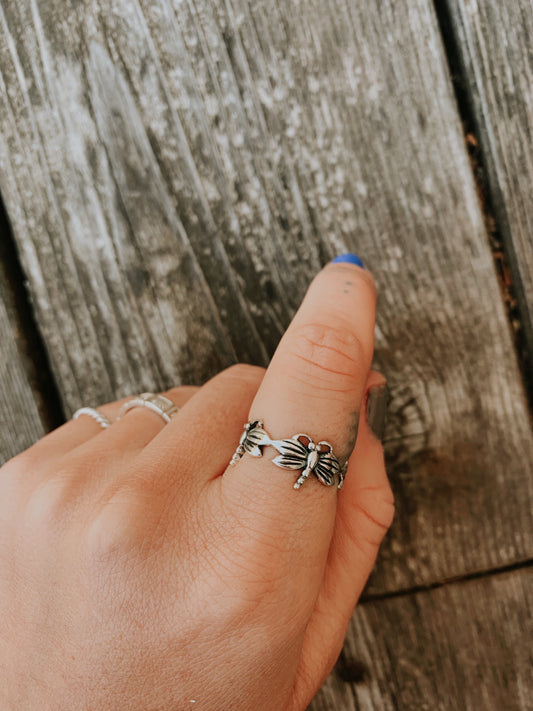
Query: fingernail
x=349, y=259
x=376, y=409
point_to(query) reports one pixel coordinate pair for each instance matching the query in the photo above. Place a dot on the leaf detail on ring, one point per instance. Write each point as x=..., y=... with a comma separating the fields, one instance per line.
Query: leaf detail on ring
x=254, y=439
x=293, y=454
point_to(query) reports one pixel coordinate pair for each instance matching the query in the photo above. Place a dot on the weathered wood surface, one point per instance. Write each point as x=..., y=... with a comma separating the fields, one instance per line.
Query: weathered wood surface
x=175, y=173
x=21, y=422
x=465, y=646
x=493, y=42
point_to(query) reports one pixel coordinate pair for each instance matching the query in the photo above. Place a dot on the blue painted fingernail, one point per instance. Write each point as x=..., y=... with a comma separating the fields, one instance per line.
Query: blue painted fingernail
x=349, y=259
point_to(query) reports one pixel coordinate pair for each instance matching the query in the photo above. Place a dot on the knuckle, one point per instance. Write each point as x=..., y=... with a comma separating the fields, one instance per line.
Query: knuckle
x=385, y=507
x=375, y=513
x=48, y=504
x=17, y=468
x=328, y=356
x=12, y=473
x=132, y=517
x=114, y=533
x=13, y=492
x=60, y=497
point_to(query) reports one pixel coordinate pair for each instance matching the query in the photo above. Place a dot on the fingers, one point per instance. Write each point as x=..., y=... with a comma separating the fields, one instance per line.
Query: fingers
x=314, y=385
x=316, y=379
x=136, y=427
x=180, y=396
x=124, y=438
x=202, y=438
x=139, y=425
x=161, y=484
x=364, y=514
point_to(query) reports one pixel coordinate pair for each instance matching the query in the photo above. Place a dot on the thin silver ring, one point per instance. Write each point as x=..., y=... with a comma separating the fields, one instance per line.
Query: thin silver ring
x=102, y=420
x=297, y=452
x=159, y=404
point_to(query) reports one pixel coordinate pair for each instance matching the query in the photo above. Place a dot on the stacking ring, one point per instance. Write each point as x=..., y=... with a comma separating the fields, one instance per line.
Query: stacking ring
x=159, y=404
x=92, y=412
x=298, y=452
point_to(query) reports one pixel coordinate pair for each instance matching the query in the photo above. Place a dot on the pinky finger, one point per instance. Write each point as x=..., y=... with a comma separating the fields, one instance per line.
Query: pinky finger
x=44, y=456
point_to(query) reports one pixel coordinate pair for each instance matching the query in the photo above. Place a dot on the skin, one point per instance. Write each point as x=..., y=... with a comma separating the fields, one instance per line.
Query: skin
x=139, y=571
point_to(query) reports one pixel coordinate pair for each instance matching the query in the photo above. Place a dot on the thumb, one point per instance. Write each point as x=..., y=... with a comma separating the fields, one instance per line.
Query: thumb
x=364, y=514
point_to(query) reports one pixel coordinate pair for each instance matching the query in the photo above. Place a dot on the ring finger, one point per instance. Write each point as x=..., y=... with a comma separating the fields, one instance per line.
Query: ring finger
x=138, y=427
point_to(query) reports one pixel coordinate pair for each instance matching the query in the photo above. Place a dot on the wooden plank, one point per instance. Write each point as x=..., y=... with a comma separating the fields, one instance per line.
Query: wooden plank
x=466, y=645
x=493, y=43
x=176, y=172
x=21, y=421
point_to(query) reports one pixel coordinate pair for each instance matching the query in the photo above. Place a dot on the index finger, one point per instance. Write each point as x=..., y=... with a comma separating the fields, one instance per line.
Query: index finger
x=314, y=385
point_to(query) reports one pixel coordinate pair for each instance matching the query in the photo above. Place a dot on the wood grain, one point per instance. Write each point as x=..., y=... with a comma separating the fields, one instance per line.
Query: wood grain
x=493, y=42
x=21, y=422
x=465, y=645
x=176, y=171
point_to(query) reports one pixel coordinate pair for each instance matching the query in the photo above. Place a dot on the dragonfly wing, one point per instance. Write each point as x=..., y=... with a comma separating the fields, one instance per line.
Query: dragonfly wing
x=292, y=454
x=327, y=468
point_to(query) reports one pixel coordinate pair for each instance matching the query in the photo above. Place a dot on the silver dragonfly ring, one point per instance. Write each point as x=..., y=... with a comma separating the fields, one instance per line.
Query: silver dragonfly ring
x=297, y=452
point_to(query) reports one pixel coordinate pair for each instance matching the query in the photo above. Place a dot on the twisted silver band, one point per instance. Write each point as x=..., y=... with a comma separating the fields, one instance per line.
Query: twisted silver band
x=159, y=404
x=298, y=452
x=92, y=412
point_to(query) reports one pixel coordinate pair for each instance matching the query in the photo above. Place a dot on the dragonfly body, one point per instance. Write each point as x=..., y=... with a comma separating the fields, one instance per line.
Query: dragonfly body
x=300, y=452
x=312, y=461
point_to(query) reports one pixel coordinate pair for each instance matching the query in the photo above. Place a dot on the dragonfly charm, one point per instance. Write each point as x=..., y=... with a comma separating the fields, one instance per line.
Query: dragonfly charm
x=300, y=452
x=252, y=440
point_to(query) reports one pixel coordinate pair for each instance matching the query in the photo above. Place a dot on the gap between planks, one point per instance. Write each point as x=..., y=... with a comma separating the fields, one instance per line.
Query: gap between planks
x=30, y=342
x=475, y=575
x=512, y=291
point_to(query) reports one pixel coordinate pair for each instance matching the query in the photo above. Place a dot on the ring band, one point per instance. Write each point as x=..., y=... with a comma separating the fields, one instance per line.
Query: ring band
x=92, y=412
x=297, y=452
x=159, y=404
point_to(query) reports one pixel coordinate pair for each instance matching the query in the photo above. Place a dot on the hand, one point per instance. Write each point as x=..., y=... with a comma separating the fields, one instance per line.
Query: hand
x=139, y=571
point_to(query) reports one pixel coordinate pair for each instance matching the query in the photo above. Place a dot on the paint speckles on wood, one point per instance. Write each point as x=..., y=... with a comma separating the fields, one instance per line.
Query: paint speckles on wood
x=176, y=172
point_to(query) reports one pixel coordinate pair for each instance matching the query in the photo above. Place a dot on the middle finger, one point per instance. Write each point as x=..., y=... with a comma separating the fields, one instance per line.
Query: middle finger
x=85, y=438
